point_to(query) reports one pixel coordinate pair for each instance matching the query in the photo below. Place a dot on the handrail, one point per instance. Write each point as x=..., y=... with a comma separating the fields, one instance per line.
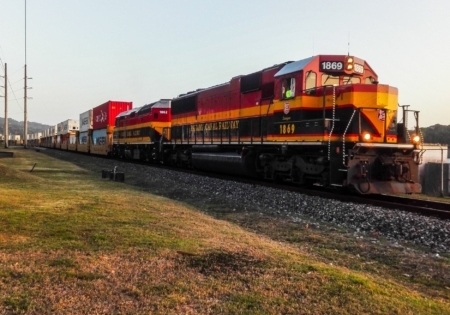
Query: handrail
x=343, y=137
x=333, y=119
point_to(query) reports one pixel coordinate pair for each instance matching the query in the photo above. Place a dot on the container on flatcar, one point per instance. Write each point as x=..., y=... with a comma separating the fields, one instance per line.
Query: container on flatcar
x=85, y=131
x=103, y=125
x=14, y=140
x=43, y=136
x=59, y=133
x=33, y=139
x=67, y=134
x=49, y=137
x=38, y=138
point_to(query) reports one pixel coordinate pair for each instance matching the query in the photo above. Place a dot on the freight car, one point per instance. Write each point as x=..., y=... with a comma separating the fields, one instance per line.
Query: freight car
x=103, y=125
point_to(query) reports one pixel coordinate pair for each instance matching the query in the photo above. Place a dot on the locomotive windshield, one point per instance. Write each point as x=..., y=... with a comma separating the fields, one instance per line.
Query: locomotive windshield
x=328, y=79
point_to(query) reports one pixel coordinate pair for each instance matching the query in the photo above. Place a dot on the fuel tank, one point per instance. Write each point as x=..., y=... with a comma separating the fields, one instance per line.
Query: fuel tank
x=224, y=162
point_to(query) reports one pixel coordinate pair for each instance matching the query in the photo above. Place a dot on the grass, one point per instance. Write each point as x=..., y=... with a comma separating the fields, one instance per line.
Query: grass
x=71, y=241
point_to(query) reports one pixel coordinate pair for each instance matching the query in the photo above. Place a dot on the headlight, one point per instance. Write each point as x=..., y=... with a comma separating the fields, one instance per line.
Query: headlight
x=367, y=136
x=349, y=63
x=416, y=139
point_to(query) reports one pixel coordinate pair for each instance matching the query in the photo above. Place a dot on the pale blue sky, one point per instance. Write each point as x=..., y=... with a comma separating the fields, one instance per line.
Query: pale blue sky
x=82, y=53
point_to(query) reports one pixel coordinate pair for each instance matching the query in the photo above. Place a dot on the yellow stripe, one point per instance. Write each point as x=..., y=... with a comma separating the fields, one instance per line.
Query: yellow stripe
x=132, y=139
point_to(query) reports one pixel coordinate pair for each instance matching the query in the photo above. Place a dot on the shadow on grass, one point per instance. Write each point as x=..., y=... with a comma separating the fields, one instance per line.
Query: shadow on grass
x=224, y=262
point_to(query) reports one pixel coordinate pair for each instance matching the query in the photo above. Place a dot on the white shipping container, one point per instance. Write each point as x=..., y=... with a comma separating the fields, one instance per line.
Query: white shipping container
x=86, y=121
x=67, y=125
x=99, y=136
x=84, y=137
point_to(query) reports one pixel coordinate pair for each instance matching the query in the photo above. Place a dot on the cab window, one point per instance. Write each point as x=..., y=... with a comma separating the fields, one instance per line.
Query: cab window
x=350, y=80
x=370, y=80
x=288, y=88
x=310, y=80
x=328, y=79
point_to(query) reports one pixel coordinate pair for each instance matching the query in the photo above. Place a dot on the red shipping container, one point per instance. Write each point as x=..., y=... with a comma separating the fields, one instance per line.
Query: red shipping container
x=104, y=115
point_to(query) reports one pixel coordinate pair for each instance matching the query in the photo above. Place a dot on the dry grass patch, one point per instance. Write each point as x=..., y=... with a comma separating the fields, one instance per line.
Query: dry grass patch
x=90, y=246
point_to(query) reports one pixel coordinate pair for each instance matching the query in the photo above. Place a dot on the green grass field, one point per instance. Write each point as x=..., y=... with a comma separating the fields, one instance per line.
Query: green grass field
x=72, y=243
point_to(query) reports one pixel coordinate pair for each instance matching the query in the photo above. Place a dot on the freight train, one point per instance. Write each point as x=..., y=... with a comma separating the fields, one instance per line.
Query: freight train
x=324, y=120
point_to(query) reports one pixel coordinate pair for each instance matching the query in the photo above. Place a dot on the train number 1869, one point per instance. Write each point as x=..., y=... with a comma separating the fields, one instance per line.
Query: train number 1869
x=287, y=129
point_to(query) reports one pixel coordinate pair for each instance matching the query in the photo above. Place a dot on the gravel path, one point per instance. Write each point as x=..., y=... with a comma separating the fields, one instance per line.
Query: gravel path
x=219, y=195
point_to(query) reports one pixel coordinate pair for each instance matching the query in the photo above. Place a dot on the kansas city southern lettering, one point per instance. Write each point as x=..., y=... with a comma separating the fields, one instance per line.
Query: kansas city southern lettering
x=221, y=125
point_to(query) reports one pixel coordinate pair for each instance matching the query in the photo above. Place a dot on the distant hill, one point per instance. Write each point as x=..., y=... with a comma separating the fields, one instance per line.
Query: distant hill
x=16, y=127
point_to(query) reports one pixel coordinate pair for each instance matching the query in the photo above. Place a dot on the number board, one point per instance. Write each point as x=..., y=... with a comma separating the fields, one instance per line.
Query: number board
x=327, y=66
x=359, y=68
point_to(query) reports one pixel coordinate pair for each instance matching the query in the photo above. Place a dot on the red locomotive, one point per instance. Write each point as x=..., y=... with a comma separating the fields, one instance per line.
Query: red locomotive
x=323, y=120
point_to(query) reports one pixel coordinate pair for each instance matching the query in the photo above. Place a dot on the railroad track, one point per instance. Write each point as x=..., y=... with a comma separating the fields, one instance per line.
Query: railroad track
x=407, y=203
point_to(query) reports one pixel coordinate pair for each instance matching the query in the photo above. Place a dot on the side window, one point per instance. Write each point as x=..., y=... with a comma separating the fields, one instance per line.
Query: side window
x=288, y=88
x=310, y=80
x=393, y=124
x=155, y=115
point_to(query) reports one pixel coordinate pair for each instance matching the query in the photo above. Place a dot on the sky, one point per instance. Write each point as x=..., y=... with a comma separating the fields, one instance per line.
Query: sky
x=83, y=53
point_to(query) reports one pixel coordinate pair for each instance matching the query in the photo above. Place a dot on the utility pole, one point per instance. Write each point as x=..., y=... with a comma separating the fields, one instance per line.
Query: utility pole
x=5, y=125
x=25, y=123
